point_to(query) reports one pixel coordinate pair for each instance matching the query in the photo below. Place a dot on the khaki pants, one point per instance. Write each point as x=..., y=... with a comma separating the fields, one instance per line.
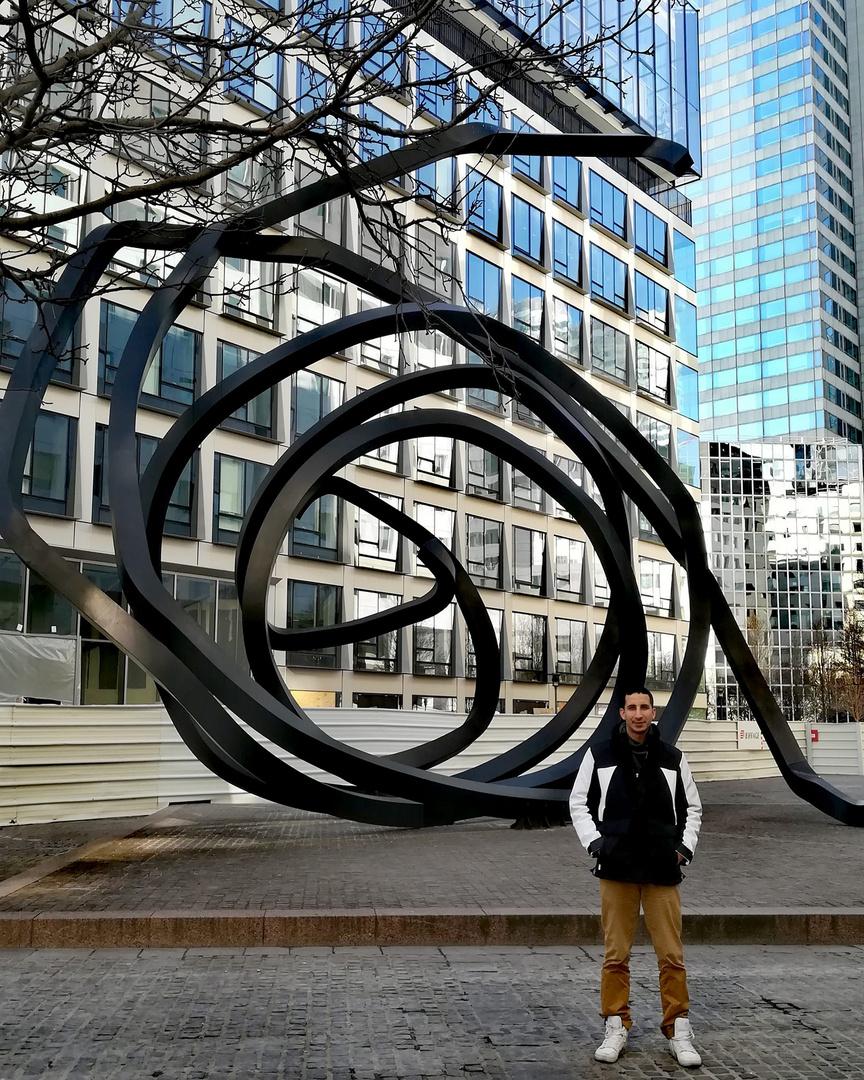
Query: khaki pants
x=661, y=905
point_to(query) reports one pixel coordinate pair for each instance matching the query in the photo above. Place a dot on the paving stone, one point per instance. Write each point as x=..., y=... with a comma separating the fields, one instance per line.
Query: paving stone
x=772, y=1013
x=762, y=849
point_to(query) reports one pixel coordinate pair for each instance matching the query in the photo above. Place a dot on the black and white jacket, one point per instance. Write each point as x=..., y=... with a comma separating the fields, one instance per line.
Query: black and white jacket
x=636, y=824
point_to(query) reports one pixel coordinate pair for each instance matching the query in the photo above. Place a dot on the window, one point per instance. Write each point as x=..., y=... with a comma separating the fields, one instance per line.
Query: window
x=483, y=285
x=661, y=661
x=608, y=204
x=527, y=493
x=527, y=230
x=435, y=460
x=47, y=611
x=190, y=17
x=320, y=300
x=12, y=575
x=601, y=584
x=380, y=240
x=47, y=486
x=437, y=521
x=684, y=254
x=528, y=303
x=18, y=315
x=377, y=542
x=687, y=391
x=567, y=247
x=180, y=518
x=609, y=350
x=529, y=166
x=652, y=303
x=379, y=653
x=484, y=552
x=102, y=663
x=524, y=415
x=652, y=372
x=484, y=473
x=567, y=331
x=326, y=20
x=172, y=378
x=373, y=143
x=484, y=205
x=650, y=233
x=685, y=326
x=487, y=113
x=433, y=703
x=236, y=483
x=325, y=220
x=435, y=88
x=566, y=179
x=688, y=458
x=608, y=278
x=433, y=644
x=569, y=650
x=314, y=90
x=436, y=182
x=252, y=67
x=313, y=397
x=573, y=470
x=529, y=647
x=434, y=349
x=569, y=567
x=496, y=617
x=255, y=179
x=434, y=262
x=656, y=432
x=249, y=289
x=315, y=532
x=312, y=605
x=386, y=456
x=383, y=352
x=529, y=558
x=376, y=701
x=655, y=586
x=387, y=64
x=256, y=417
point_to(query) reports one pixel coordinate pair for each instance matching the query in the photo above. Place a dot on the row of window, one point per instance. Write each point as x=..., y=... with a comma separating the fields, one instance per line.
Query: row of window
x=30, y=605
x=609, y=281
x=313, y=605
x=607, y=207
x=48, y=485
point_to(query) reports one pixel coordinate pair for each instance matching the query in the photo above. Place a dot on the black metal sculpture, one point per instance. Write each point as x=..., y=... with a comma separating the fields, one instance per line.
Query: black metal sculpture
x=200, y=687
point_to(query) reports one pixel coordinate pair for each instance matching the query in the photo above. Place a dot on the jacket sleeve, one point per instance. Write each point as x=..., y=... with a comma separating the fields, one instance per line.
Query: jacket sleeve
x=692, y=818
x=582, y=818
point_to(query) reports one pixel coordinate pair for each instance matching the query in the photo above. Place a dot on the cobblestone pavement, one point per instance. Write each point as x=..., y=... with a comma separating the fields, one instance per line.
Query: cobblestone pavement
x=23, y=845
x=417, y=1014
x=761, y=848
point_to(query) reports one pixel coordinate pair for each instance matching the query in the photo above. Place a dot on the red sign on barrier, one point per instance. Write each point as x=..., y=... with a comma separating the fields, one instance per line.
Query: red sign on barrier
x=814, y=735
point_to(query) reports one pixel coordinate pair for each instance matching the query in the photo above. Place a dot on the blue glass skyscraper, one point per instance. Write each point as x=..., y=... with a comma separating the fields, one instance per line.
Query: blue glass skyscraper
x=773, y=216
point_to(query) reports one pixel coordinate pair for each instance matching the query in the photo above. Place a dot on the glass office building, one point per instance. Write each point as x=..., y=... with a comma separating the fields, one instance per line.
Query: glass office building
x=783, y=532
x=773, y=215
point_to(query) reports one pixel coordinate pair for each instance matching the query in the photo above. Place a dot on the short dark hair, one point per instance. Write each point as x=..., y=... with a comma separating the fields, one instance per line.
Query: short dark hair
x=637, y=690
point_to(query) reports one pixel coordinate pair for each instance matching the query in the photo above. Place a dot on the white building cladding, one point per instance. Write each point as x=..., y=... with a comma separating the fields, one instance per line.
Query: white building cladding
x=594, y=259
x=783, y=532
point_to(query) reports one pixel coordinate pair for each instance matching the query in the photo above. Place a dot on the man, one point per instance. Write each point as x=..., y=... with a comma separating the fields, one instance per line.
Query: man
x=636, y=810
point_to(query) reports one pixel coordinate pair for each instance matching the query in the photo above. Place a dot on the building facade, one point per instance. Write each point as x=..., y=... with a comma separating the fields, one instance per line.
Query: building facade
x=778, y=293
x=783, y=532
x=594, y=259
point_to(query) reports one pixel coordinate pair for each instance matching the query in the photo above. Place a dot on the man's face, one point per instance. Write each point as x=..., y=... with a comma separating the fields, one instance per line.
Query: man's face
x=638, y=714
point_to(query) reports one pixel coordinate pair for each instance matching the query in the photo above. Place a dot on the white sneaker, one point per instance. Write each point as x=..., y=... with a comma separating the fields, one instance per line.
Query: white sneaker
x=681, y=1044
x=616, y=1039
